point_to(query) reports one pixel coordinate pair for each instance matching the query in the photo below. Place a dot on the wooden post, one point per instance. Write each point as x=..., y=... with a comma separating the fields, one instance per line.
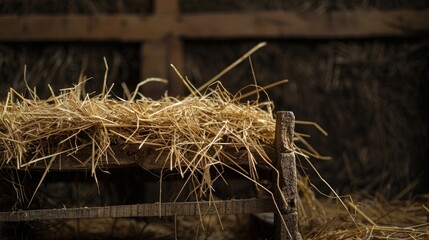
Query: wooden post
x=166, y=7
x=153, y=64
x=158, y=54
x=286, y=222
x=176, y=57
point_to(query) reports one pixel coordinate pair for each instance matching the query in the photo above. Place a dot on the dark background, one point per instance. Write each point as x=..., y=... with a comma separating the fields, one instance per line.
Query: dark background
x=369, y=94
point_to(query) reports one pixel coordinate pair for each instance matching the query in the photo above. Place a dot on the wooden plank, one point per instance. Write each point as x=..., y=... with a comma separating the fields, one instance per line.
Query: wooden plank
x=127, y=155
x=286, y=221
x=166, y=6
x=176, y=87
x=340, y=24
x=267, y=24
x=153, y=60
x=243, y=206
x=157, y=55
x=84, y=28
x=156, y=59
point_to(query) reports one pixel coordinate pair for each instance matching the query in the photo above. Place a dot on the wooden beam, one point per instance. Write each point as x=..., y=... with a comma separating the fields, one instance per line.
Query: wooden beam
x=242, y=206
x=174, y=48
x=84, y=28
x=341, y=24
x=286, y=220
x=148, y=158
x=176, y=87
x=153, y=60
x=268, y=24
x=156, y=59
x=166, y=6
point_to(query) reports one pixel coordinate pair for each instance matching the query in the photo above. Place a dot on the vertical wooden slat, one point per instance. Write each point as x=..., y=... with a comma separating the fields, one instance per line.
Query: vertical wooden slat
x=166, y=6
x=158, y=55
x=286, y=222
x=176, y=86
x=153, y=64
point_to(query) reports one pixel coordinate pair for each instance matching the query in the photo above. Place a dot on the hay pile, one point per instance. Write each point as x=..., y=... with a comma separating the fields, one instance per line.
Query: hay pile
x=372, y=218
x=197, y=132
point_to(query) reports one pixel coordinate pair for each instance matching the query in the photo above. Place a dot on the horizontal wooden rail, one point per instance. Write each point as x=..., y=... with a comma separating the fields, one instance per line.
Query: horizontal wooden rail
x=267, y=24
x=243, y=206
x=148, y=158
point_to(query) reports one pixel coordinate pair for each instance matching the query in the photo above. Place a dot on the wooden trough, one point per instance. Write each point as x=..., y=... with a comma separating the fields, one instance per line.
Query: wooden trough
x=286, y=218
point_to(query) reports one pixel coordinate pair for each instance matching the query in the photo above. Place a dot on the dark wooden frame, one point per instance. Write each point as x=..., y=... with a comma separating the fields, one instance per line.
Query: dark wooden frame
x=161, y=33
x=286, y=218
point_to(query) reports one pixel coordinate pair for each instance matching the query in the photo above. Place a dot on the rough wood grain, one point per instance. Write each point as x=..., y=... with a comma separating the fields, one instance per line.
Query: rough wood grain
x=244, y=206
x=267, y=24
x=286, y=193
x=130, y=154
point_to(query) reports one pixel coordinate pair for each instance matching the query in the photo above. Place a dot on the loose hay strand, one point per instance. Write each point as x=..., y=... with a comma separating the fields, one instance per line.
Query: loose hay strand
x=195, y=131
x=235, y=63
x=74, y=124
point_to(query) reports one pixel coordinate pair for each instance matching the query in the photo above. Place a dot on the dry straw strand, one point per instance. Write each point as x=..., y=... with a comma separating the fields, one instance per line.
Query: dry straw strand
x=198, y=134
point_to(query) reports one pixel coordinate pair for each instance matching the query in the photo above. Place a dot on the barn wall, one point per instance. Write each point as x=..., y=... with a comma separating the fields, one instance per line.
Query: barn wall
x=369, y=94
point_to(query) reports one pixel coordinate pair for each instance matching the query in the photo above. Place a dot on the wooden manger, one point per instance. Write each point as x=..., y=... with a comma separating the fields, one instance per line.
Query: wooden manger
x=284, y=206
